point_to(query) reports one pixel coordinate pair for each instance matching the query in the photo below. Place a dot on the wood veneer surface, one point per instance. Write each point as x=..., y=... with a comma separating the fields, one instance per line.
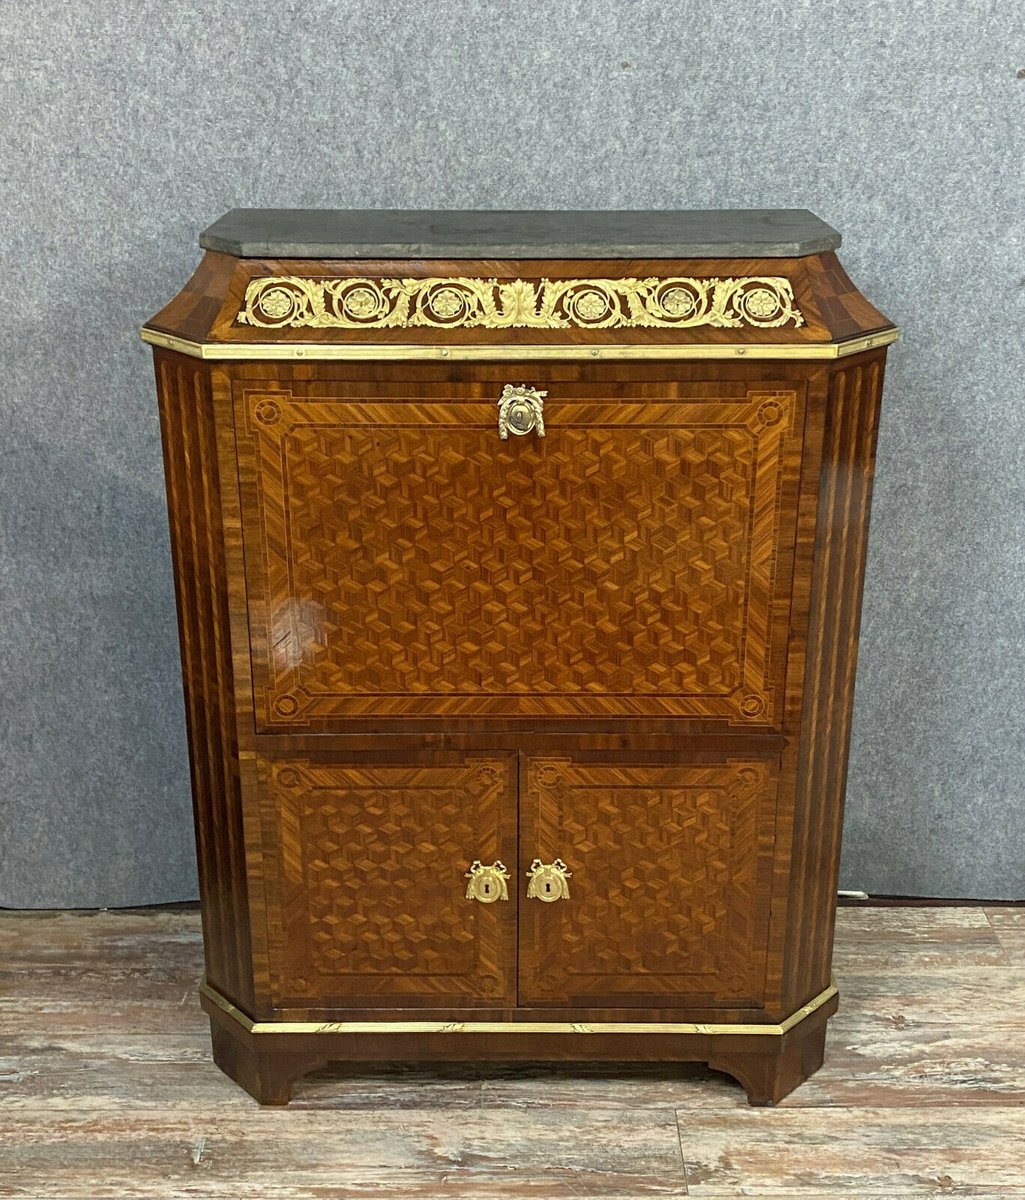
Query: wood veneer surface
x=402, y=561
x=832, y=308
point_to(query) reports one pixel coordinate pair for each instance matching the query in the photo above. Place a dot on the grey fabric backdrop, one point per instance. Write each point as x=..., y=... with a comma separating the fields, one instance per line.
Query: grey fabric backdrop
x=128, y=127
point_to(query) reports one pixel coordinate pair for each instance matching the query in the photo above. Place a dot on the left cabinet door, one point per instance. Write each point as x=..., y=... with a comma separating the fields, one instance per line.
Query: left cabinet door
x=366, y=866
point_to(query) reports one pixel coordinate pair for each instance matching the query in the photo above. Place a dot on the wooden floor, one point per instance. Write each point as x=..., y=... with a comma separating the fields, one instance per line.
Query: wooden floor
x=107, y=1087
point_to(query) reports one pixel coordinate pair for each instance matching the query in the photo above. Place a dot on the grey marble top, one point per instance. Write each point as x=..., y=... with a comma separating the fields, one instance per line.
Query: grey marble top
x=393, y=233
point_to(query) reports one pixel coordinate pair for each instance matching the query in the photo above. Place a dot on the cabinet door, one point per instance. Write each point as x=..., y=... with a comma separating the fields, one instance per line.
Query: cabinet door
x=405, y=561
x=365, y=871
x=668, y=892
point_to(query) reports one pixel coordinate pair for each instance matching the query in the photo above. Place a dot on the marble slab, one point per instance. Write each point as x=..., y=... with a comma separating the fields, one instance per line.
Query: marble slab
x=394, y=233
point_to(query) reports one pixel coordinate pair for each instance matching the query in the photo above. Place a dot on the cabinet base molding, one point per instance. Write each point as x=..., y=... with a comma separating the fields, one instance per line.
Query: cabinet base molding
x=266, y=1057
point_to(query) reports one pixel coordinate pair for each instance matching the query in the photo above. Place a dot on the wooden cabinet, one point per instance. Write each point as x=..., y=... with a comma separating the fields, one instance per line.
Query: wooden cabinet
x=518, y=593
x=366, y=871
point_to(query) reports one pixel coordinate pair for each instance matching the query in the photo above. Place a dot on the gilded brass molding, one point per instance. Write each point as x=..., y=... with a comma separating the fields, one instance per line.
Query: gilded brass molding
x=677, y=302
x=428, y=352
x=556, y=1027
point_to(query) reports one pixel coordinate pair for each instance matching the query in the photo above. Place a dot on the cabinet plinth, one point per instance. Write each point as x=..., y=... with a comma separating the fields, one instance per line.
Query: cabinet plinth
x=518, y=602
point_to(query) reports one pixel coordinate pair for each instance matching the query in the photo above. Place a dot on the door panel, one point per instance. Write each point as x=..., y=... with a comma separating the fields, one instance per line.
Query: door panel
x=403, y=560
x=365, y=869
x=670, y=872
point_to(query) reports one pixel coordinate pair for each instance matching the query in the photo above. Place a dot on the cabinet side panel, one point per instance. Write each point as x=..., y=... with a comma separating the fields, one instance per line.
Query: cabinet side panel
x=197, y=544
x=848, y=462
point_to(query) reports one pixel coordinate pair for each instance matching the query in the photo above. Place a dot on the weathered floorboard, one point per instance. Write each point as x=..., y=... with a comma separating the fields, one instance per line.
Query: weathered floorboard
x=856, y=1152
x=1009, y=926
x=250, y=1153
x=107, y=1088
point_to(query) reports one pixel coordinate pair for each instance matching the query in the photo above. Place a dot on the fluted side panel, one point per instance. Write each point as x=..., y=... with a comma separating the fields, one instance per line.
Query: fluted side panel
x=197, y=543
x=841, y=541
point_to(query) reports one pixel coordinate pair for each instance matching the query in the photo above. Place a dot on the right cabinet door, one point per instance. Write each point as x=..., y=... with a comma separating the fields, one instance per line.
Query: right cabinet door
x=669, y=881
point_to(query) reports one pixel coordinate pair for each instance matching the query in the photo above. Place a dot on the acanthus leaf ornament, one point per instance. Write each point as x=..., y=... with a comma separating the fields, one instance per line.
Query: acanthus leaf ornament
x=294, y=302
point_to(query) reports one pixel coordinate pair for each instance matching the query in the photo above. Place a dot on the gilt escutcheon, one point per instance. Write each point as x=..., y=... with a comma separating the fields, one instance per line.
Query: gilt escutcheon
x=487, y=884
x=548, y=881
x=520, y=410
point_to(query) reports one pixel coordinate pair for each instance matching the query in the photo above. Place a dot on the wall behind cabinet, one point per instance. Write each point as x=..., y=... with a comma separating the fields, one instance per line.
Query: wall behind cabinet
x=129, y=126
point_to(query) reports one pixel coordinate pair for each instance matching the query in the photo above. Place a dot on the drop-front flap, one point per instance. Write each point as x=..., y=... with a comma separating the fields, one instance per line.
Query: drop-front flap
x=629, y=555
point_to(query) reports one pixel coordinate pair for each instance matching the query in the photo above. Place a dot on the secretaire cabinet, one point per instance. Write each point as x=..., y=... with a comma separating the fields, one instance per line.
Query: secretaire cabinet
x=519, y=561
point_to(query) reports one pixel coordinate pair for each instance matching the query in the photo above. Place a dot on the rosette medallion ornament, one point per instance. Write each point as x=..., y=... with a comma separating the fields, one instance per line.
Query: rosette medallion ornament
x=673, y=302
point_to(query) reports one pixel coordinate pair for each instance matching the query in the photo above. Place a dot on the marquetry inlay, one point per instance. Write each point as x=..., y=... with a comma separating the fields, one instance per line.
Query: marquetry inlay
x=676, y=609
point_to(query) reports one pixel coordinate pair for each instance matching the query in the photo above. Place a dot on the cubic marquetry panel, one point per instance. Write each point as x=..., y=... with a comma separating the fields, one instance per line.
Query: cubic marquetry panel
x=366, y=887
x=403, y=560
x=671, y=872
